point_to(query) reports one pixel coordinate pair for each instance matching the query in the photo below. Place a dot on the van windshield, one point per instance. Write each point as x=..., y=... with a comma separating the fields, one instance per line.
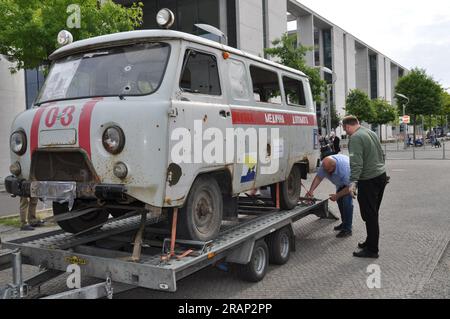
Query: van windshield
x=118, y=71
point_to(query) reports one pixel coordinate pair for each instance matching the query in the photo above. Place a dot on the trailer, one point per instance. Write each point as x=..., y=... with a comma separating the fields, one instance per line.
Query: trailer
x=136, y=251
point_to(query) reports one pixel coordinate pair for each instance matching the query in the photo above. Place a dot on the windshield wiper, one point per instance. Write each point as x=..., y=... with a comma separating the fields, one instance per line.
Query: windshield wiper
x=94, y=54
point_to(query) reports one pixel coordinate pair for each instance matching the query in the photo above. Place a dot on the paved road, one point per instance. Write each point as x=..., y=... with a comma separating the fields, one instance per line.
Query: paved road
x=414, y=262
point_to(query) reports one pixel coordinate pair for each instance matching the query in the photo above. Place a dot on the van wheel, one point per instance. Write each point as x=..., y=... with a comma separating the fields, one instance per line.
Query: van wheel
x=279, y=246
x=290, y=189
x=256, y=269
x=81, y=223
x=201, y=216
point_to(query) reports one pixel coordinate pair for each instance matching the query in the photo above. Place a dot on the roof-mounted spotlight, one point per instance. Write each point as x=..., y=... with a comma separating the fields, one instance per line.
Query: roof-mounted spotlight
x=165, y=18
x=64, y=38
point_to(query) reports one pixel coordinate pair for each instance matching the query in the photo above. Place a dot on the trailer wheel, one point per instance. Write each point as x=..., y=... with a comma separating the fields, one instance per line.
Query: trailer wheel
x=81, y=223
x=279, y=246
x=290, y=189
x=256, y=269
x=201, y=216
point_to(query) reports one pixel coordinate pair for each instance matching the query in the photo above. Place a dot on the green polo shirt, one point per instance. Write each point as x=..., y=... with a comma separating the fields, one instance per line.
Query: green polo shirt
x=366, y=155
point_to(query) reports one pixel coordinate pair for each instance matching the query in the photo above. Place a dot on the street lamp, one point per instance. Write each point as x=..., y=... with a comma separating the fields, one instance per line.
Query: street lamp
x=404, y=106
x=329, y=89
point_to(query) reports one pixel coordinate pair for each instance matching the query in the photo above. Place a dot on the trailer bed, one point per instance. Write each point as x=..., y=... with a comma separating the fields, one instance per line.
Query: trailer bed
x=101, y=254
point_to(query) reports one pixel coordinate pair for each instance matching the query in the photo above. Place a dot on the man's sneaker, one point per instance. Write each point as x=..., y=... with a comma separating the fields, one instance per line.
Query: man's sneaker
x=362, y=245
x=26, y=228
x=365, y=253
x=339, y=228
x=344, y=233
x=37, y=223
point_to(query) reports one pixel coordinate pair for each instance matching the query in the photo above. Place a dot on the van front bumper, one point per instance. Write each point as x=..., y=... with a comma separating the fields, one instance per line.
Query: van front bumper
x=60, y=191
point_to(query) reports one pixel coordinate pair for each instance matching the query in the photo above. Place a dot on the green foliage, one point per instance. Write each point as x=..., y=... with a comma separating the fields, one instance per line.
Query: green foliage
x=29, y=27
x=445, y=104
x=359, y=105
x=425, y=94
x=335, y=119
x=291, y=55
x=384, y=112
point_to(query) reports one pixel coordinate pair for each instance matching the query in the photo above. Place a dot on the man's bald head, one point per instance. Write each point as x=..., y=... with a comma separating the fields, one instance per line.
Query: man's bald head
x=329, y=164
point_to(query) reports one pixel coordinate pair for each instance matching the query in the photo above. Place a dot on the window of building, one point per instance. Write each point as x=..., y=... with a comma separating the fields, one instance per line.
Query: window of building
x=316, y=46
x=266, y=87
x=294, y=91
x=238, y=80
x=34, y=79
x=327, y=49
x=200, y=74
x=373, y=76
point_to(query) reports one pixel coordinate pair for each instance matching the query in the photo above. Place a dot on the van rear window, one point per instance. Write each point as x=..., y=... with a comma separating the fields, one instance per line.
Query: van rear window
x=294, y=91
x=200, y=74
x=266, y=87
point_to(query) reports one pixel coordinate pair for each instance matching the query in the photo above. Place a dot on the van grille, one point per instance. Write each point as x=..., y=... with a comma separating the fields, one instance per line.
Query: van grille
x=61, y=166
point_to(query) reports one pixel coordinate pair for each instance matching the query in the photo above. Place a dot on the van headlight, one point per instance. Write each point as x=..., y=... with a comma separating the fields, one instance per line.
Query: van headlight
x=18, y=142
x=113, y=140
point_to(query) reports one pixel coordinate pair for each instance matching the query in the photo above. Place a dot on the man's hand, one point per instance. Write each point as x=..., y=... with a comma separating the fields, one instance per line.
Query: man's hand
x=310, y=194
x=334, y=197
x=353, y=189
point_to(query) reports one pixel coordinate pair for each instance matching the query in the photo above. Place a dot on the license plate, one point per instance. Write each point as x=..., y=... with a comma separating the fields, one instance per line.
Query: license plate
x=58, y=137
x=55, y=191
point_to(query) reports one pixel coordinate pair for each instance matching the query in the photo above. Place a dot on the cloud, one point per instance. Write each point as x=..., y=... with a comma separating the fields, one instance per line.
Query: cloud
x=412, y=33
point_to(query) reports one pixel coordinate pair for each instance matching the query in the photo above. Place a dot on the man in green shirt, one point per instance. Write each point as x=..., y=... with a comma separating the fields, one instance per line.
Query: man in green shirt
x=368, y=173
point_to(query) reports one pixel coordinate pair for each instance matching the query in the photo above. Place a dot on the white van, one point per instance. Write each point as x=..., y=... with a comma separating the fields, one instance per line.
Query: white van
x=146, y=119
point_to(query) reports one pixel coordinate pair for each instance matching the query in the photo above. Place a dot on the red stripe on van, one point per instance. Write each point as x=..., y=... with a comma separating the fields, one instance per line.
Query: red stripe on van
x=84, y=125
x=34, y=133
x=250, y=117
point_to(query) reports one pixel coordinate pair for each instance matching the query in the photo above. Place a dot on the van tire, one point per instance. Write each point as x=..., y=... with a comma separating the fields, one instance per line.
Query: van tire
x=290, y=189
x=201, y=216
x=81, y=223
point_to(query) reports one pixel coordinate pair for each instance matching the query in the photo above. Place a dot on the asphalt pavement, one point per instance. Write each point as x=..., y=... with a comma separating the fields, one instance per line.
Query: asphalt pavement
x=414, y=255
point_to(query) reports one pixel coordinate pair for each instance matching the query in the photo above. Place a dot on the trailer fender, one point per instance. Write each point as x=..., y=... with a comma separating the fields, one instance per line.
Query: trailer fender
x=242, y=253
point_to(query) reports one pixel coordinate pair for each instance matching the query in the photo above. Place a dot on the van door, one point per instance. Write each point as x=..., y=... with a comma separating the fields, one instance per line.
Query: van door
x=200, y=113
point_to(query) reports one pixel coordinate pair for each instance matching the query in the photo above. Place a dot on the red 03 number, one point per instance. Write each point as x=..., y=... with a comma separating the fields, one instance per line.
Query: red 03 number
x=66, y=116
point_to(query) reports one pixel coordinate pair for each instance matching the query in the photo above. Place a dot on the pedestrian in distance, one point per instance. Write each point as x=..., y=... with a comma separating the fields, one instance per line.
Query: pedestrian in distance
x=336, y=143
x=28, y=219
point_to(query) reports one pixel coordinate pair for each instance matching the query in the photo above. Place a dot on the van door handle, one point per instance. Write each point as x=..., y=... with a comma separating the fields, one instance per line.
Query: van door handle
x=223, y=113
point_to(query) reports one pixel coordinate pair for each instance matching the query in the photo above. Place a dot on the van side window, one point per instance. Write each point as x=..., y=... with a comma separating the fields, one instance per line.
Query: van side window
x=200, y=74
x=266, y=87
x=294, y=91
x=237, y=74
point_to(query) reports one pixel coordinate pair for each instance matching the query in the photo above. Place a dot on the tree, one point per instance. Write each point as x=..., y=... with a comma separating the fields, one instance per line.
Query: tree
x=335, y=119
x=29, y=27
x=384, y=113
x=425, y=95
x=359, y=105
x=445, y=111
x=293, y=55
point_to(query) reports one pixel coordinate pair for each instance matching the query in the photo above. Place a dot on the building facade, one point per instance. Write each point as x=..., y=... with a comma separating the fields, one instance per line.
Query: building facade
x=355, y=64
x=250, y=25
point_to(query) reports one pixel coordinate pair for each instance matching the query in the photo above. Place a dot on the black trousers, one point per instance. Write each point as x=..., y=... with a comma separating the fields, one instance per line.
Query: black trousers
x=370, y=195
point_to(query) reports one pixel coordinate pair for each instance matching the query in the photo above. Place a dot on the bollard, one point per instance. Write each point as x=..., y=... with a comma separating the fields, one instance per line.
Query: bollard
x=385, y=151
x=414, y=151
x=443, y=150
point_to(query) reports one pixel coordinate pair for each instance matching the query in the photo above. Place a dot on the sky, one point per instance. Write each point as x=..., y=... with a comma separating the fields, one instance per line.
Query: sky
x=412, y=33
